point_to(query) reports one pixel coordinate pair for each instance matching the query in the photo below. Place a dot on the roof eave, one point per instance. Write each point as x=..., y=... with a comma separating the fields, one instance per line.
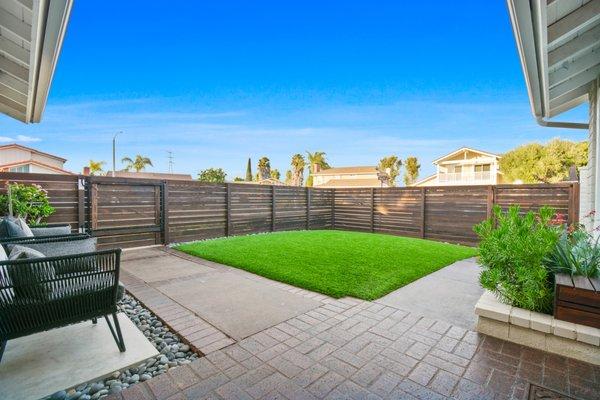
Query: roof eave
x=50, y=31
x=528, y=19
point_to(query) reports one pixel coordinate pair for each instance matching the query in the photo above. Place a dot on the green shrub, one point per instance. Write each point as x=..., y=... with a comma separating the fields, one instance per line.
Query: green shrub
x=29, y=202
x=575, y=253
x=512, y=251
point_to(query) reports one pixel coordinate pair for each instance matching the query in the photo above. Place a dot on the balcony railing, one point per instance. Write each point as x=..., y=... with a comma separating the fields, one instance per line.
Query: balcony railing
x=464, y=177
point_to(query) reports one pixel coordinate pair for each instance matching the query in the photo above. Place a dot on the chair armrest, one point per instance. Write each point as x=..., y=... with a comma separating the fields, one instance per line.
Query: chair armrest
x=44, y=239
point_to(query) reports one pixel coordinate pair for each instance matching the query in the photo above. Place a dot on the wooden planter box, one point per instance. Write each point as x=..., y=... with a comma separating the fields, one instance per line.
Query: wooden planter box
x=577, y=300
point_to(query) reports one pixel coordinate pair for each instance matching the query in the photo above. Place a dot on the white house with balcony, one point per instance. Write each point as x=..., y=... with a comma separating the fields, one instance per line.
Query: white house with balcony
x=465, y=166
x=18, y=158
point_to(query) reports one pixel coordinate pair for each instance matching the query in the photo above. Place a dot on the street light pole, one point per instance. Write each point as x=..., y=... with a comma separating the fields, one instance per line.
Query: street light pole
x=113, y=148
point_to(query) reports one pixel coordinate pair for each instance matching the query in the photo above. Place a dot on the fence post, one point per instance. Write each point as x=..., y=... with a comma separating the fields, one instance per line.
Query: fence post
x=372, y=209
x=81, y=183
x=227, y=209
x=332, y=208
x=423, y=210
x=308, y=205
x=491, y=199
x=273, y=205
x=573, y=203
x=165, y=212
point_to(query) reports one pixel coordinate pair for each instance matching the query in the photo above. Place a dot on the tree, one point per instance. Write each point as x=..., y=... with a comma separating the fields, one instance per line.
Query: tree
x=95, y=167
x=550, y=163
x=275, y=174
x=298, y=163
x=264, y=168
x=390, y=165
x=238, y=179
x=316, y=158
x=249, y=170
x=411, y=173
x=288, y=177
x=139, y=164
x=212, y=175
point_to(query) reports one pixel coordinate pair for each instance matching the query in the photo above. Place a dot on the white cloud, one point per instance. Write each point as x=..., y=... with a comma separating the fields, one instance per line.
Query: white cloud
x=19, y=138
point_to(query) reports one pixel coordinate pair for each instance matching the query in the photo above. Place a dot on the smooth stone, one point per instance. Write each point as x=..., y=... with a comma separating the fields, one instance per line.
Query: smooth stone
x=60, y=395
x=134, y=378
x=95, y=388
x=145, y=377
x=184, y=347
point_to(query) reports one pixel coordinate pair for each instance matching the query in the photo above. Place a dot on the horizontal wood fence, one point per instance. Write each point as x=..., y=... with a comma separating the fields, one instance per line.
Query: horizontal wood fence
x=133, y=212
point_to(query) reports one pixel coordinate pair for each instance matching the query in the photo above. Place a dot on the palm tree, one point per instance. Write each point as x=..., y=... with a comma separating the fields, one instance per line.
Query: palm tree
x=95, y=167
x=275, y=174
x=139, y=164
x=315, y=159
x=264, y=168
x=298, y=163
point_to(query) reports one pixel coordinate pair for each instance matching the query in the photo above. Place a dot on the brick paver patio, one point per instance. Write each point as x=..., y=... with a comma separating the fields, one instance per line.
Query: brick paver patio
x=351, y=349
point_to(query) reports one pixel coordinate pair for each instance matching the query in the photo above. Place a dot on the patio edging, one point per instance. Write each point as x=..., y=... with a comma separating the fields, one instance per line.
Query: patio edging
x=537, y=330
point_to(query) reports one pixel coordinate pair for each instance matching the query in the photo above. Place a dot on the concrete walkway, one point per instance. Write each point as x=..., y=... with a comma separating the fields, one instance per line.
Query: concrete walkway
x=449, y=294
x=213, y=304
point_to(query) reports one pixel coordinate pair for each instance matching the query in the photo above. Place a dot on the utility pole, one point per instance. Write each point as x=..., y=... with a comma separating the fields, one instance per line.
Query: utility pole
x=170, y=161
x=114, y=157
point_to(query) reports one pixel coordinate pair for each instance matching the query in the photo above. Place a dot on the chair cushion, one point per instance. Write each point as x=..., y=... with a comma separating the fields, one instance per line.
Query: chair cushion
x=51, y=231
x=19, y=252
x=9, y=228
x=3, y=255
x=23, y=225
x=65, y=247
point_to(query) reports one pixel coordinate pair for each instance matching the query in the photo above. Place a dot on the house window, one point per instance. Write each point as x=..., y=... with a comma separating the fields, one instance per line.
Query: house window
x=20, y=168
x=482, y=168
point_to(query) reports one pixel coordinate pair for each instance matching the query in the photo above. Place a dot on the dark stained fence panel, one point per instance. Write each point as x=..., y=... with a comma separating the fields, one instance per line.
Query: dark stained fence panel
x=451, y=212
x=250, y=209
x=397, y=211
x=321, y=208
x=290, y=208
x=353, y=209
x=196, y=211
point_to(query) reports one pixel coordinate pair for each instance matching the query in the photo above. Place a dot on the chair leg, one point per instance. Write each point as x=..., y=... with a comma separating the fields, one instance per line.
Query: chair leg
x=116, y=332
x=2, y=347
x=94, y=321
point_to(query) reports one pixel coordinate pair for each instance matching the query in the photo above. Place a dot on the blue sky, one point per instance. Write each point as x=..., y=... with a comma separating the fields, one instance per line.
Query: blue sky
x=218, y=82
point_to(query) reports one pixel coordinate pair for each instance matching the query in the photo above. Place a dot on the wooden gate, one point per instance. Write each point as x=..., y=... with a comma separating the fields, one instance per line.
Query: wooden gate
x=128, y=212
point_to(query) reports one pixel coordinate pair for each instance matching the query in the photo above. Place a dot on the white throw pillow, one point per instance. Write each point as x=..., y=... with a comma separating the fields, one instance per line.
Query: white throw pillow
x=26, y=229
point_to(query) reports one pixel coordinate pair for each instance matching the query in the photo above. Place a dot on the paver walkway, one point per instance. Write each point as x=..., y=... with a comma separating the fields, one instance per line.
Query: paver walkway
x=355, y=349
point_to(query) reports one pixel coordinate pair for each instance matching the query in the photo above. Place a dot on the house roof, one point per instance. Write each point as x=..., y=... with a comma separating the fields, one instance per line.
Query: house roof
x=4, y=167
x=19, y=146
x=427, y=179
x=150, y=175
x=463, y=149
x=31, y=36
x=558, y=45
x=339, y=183
x=348, y=170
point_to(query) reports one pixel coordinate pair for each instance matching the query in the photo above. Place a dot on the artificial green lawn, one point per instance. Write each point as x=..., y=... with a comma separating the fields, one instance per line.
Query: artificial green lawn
x=335, y=263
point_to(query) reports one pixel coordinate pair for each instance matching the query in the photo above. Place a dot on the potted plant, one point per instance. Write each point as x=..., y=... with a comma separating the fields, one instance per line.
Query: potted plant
x=575, y=261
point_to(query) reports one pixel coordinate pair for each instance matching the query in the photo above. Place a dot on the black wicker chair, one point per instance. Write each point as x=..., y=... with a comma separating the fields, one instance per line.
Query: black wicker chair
x=45, y=293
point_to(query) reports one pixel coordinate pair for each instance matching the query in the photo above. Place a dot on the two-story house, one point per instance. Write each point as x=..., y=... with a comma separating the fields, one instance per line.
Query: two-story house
x=465, y=166
x=18, y=158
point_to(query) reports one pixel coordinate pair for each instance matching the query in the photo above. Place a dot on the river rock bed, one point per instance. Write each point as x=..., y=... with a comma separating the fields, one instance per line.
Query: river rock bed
x=173, y=352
